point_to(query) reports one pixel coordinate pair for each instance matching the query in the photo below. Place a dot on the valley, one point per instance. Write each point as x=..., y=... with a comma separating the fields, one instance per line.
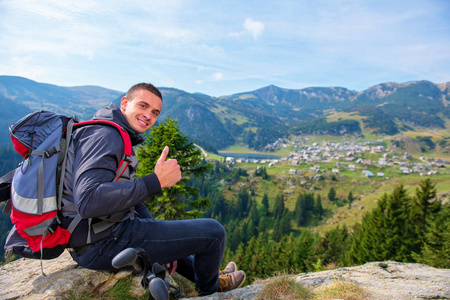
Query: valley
x=367, y=168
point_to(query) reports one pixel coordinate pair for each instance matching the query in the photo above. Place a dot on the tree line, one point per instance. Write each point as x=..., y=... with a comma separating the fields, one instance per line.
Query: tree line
x=9, y=160
x=401, y=228
x=265, y=238
x=321, y=126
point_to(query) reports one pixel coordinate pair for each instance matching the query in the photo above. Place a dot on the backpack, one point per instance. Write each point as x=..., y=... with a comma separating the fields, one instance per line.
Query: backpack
x=34, y=195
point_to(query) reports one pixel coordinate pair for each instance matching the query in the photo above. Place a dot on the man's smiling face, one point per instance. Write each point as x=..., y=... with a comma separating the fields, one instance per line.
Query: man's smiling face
x=142, y=110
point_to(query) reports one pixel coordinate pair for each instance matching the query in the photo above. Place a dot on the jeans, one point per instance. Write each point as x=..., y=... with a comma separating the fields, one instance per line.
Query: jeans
x=197, y=244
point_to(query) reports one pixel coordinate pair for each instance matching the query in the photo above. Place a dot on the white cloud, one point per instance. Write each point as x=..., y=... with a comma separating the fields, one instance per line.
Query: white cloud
x=255, y=28
x=51, y=27
x=218, y=76
x=22, y=66
x=236, y=34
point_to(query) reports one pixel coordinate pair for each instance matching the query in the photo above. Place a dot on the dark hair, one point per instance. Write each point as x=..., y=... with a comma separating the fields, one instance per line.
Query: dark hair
x=143, y=86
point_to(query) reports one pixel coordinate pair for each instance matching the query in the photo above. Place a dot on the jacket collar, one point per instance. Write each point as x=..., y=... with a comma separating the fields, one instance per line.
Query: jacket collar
x=112, y=112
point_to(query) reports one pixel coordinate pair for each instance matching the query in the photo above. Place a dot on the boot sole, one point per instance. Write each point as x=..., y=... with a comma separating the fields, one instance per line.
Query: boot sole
x=243, y=280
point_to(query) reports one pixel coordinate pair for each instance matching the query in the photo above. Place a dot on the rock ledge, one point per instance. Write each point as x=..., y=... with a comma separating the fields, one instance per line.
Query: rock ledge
x=22, y=279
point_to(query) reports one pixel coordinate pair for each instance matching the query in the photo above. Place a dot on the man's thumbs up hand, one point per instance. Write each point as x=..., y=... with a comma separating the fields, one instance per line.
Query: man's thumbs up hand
x=167, y=171
x=163, y=156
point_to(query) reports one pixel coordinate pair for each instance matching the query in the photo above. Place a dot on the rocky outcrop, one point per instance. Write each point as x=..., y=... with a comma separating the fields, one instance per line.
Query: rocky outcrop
x=22, y=279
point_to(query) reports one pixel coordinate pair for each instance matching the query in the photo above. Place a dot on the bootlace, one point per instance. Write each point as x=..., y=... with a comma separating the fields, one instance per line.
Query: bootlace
x=225, y=282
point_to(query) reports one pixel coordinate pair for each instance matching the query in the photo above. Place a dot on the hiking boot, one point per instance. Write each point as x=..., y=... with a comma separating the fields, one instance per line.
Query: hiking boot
x=230, y=268
x=231, y=281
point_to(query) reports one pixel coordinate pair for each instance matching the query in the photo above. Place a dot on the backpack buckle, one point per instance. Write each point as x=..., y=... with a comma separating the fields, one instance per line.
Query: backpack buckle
x=51, y=152
x=8, y=252
x=52, y=228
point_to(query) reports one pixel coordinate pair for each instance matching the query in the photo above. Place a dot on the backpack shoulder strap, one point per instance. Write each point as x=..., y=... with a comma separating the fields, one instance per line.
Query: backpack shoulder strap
x=126, y=159
x=66, y=141
x=8, y=176
x=5, y=190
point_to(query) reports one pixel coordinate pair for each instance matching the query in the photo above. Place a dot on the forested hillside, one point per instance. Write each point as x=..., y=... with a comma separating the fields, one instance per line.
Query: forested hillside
x=267, y=237
x=11, y=111
x=257, y=118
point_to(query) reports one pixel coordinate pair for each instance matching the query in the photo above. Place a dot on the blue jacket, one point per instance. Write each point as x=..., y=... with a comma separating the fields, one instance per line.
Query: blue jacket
x=93, y=158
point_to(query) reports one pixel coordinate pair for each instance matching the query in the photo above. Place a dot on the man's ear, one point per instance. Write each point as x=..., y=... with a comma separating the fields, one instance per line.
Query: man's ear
x=124, y=103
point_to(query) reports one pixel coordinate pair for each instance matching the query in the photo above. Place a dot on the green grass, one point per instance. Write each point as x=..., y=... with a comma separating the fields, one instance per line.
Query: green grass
x=223, y=114
x=214, y=157
x=340, y=289
x=240, y=149
x=334, y=116
x=239, y=119
x=121, y=291
x=285, y=287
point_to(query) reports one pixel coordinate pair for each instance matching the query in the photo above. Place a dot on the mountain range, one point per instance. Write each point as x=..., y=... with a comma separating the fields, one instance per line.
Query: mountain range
x=255, y=118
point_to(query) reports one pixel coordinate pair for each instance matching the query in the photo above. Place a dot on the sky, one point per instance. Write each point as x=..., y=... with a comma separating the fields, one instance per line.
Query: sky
x=225, y=47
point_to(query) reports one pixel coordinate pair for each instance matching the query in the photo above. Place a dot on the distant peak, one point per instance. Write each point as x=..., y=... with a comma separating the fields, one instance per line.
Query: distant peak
x=269, y=88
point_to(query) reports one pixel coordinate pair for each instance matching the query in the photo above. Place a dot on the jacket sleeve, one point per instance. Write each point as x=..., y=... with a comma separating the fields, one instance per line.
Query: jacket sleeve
x=98, y=151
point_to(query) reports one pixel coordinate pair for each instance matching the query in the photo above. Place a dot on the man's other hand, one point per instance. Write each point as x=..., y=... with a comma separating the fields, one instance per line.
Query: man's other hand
x=171, y=267
x=168, y=171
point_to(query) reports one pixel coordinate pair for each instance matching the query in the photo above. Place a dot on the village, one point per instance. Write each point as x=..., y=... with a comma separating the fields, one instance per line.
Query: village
x=346, y=156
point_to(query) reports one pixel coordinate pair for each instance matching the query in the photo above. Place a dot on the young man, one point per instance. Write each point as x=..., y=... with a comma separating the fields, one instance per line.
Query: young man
x=193, y=247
